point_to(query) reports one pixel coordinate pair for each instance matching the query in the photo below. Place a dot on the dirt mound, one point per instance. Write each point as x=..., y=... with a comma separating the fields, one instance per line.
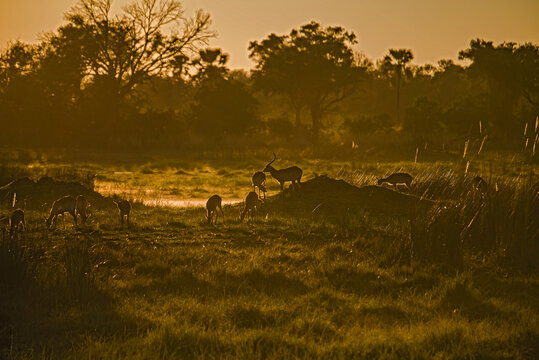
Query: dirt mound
x=326, y=195
x=32, y=194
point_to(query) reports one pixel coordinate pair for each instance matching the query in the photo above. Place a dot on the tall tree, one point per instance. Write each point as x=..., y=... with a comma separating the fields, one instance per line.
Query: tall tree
x=223, y=108
x=143, y=41
x=395, y=63
x=313, y=67
x=511, y=72
x=17, y=61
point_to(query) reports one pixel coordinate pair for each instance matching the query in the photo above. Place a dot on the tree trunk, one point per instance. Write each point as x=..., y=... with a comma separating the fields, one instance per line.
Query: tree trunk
x=315, y=130
x=398, y=99
x=297, y=123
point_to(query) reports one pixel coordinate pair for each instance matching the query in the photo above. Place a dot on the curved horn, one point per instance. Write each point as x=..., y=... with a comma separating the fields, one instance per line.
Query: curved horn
x=274, y=157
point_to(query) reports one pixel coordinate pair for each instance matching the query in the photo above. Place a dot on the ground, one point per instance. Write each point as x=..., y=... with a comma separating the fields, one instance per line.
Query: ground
x=345, y=284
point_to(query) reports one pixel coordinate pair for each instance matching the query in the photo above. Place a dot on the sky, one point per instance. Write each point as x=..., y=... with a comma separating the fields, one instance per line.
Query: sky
x=432, y=29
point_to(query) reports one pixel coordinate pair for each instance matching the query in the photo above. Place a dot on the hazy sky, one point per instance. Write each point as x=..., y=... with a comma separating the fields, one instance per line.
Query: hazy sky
x=433, y=29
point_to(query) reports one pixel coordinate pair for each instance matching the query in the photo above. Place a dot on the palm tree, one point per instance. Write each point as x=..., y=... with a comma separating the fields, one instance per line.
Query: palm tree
x=397, y=61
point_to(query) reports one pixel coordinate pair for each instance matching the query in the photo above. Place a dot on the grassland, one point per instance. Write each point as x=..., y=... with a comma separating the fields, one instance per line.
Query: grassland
x=285, y=286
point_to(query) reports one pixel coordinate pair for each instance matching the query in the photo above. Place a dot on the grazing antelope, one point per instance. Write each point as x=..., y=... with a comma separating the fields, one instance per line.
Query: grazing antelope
x=397, y=178
x=251, y=206
x=214, y=203
x=81, y=205
x=479, y=185
x=16, y=218
x=124, y=207
x=60, y=207
x=292, y=173
x=258, y=180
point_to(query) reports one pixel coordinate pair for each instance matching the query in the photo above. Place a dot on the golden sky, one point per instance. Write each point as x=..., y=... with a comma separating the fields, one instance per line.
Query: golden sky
x=433, y=29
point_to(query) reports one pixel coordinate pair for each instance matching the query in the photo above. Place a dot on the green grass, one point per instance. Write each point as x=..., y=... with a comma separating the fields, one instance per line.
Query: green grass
x=283, y=287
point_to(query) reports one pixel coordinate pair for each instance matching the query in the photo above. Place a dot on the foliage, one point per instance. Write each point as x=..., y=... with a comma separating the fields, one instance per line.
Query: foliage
x=144, y=81
x=223, y=107
x=424, y=119
x=368, y=124
x=314, y=67
x=127, y=49
x=512, y=71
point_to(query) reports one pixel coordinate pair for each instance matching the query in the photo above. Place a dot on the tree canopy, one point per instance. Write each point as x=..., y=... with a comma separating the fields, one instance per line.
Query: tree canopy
x=313, y=67
x=143, y=41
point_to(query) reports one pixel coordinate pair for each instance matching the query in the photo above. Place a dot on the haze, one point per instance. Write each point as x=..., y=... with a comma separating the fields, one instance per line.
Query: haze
x=431, y=29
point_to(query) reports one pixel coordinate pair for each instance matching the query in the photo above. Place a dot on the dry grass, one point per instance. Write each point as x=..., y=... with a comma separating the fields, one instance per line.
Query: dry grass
x=364, y=285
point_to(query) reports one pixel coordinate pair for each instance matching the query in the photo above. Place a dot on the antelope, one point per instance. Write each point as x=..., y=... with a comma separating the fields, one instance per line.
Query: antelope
x=16, y=218
x=479, y=185
x=214, y=203
x=251, y=205
x=124, y=207
x=60, y=207
x=258, y=180
x=292, y=173
x=81, y=205
x=397, y=178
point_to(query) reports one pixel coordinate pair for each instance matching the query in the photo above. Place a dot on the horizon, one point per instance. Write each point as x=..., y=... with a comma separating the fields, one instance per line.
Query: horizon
x=430, y=39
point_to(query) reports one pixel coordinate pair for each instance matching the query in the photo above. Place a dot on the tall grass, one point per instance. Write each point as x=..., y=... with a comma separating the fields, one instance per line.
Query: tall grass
x=347, y=285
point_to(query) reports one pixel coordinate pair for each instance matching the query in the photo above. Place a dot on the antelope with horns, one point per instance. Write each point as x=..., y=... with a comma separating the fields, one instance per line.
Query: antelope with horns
x=292, y=173
x=16, y=219
x=60, y=207
x=397, y=178
x=124, y=207
x=214, y=203
x=251, y=206
x=258, y=179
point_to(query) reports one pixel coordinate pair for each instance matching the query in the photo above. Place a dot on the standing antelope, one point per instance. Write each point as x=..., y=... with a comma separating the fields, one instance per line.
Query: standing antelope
x=397, y=178
x=214, y=203
x=251, y=206
x=124, y=207
x=292, y=173
x=81, y=205
x=258, y=180
x=60, y=207
x=16, y=218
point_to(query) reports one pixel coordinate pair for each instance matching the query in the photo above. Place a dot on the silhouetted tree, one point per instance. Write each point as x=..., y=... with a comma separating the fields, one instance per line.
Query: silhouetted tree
x=17, y=61
x=511, y=72
x=127, y=49
x=395, y=63
x=21, y=97
x=423, y=120
x=210, y=64
x=313, y=67
x=223, y=108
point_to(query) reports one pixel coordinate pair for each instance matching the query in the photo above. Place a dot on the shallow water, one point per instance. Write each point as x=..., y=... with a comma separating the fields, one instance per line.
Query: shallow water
x=150, y=197
x=183, y=203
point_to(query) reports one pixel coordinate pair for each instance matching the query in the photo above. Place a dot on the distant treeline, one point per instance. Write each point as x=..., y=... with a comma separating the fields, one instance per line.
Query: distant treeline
x=145, y=81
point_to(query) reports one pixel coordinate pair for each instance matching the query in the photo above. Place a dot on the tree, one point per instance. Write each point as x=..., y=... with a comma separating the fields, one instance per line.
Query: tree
x=126, y=50
x=395, y=64
x=423, y=120
x=17, y=61
x=20, y=94
x=511, y=72
x=223, y=107
x=210, y=64
x=313, y=67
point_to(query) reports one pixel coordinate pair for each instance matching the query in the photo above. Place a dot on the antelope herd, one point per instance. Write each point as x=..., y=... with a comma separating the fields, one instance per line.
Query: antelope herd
x=78, y=206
